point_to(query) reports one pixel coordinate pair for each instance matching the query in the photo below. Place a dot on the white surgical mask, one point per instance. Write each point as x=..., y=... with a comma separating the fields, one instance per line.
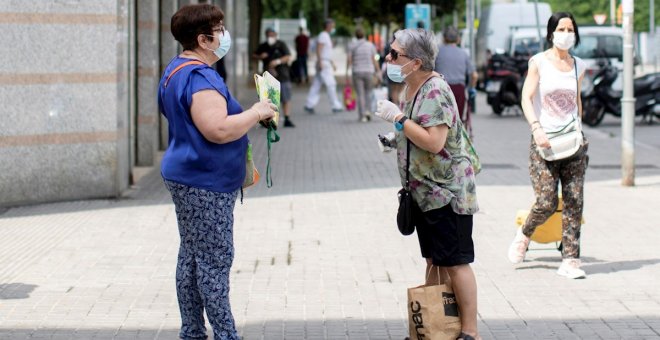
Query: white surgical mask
x=225, y=45
x=563, y=40
x=394, y=72
x=271, y=41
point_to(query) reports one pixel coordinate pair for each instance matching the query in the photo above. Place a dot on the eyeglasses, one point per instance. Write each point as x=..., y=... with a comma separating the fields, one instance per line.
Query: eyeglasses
x=395, y=55
x=220, y=30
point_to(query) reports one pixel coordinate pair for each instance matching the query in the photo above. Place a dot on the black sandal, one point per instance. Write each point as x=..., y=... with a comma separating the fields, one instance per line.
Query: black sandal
x=464, y=336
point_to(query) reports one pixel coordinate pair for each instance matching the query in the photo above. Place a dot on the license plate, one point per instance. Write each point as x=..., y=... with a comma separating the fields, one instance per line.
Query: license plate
x=493, y=86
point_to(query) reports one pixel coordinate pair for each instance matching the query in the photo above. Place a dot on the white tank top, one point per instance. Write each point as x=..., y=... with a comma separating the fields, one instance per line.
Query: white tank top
x=555, y=103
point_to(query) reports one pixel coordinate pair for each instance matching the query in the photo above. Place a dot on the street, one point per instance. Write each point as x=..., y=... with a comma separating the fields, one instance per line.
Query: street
x=318, y=255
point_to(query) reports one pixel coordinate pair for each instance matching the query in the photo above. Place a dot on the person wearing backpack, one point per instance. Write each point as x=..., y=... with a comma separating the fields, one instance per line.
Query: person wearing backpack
x=364, y=66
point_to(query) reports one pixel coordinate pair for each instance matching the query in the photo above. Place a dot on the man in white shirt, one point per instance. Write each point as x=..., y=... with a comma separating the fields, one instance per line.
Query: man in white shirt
x=325, y=68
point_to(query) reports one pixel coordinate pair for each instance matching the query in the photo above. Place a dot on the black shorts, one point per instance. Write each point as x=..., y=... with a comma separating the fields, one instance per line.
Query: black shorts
x=445, y=237
x=285, y=92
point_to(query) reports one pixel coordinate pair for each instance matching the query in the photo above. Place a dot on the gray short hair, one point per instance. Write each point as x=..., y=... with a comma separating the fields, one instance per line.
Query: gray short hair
x=420, y=44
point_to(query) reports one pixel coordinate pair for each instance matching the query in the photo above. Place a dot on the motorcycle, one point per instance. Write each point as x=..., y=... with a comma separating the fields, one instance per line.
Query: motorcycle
x=599, y=98
x=505, y=79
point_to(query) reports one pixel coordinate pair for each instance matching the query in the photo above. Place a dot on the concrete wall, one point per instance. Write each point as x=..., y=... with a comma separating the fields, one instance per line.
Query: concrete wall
x=148, y=59
x=63, y=126
x=78, y=84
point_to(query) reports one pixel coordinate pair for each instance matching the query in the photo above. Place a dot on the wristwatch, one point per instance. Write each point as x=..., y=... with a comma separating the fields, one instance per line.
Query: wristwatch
x=398, y=125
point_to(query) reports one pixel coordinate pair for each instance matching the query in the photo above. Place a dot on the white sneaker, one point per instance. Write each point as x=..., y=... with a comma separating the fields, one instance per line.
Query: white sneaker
x=518, y=247
x=570, y=268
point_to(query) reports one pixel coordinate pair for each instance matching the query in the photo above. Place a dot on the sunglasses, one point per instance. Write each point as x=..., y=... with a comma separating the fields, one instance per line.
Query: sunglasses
x=395, y=55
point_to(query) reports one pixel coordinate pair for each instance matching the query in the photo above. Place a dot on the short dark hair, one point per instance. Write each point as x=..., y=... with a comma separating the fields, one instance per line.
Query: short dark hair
x=554, y=21
x=192, y=20
x=327, y=22
x=450, y=35
x=359, y=32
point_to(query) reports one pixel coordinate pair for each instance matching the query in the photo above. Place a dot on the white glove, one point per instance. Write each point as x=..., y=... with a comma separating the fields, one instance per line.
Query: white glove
x=387, y=110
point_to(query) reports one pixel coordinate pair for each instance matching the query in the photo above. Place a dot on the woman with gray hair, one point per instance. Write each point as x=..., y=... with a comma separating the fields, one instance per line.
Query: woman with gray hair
x=429, y=138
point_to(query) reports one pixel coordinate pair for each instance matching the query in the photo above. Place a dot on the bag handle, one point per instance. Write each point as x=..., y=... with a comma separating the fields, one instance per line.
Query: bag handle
x=178, y=68
x=577, y=87
x=408, y=140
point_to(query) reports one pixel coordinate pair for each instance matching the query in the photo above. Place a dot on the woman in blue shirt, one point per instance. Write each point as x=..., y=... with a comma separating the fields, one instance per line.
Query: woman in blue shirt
x=204, y=166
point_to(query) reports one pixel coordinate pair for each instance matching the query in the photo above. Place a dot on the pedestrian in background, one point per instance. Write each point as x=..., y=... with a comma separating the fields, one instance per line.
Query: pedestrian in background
x=204, y=166
x=275, y=56
x=442, y=179
x=550, y=101
x=302, y=48
x=455, y=65
x=361, y=60
x=325, y=68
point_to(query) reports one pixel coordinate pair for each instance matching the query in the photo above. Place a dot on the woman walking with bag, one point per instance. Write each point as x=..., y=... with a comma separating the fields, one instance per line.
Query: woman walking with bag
x=551, y=103
x=204, y=167
x=362, y=62
x=442, y=178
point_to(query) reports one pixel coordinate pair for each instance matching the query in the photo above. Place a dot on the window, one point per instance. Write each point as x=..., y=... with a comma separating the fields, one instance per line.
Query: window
x=600, y=46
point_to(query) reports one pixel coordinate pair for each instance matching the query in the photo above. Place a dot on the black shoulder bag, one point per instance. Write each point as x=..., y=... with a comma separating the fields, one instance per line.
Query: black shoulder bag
x=408, y=208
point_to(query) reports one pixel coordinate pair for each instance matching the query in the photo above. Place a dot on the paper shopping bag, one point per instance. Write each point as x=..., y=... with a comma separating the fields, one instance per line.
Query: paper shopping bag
x=433, y=313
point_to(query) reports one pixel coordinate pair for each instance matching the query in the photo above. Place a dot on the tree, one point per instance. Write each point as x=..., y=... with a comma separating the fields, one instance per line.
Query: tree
x=256, y=11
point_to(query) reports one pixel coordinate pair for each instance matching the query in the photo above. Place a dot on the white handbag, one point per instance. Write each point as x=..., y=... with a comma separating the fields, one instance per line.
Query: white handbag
x=564, y=142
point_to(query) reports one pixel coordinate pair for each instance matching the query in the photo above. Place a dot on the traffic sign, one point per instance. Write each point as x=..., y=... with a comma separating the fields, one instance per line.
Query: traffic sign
x=600, y=18
x=418, y=16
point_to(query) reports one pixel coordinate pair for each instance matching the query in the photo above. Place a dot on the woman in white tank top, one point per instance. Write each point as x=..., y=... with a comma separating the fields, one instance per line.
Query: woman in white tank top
x=550, y=101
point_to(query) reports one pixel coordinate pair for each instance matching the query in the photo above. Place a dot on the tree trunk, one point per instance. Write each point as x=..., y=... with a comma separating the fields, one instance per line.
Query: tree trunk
x=255, y=8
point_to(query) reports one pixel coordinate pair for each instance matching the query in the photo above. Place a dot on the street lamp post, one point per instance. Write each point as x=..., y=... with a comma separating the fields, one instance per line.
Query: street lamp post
x=628, y=99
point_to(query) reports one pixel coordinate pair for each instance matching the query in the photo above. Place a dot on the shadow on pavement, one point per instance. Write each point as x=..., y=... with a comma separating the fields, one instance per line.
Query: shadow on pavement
x=561, y=327
x=10, y=291
x=618, y=266
x=589, y=264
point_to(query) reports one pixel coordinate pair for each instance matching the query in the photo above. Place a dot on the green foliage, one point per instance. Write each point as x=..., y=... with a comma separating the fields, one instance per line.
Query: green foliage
x=392, y=11
x=345, y=11
x=584, y=11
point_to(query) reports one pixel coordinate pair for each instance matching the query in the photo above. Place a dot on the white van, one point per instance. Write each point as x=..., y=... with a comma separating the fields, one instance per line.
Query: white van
x=499, y=19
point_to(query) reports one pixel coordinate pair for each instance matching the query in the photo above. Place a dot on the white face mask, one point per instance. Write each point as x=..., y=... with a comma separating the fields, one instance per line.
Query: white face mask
x=271, y=41
x=563, y=40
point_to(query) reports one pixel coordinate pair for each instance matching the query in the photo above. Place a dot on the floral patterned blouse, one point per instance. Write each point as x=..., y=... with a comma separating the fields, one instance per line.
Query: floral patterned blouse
x=446, y=177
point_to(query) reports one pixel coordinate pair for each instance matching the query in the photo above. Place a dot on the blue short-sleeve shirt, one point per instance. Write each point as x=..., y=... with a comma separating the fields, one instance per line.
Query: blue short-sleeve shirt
x=190, y=158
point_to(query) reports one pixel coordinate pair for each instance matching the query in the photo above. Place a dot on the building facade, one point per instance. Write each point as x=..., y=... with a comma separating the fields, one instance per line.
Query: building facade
x=78, y=86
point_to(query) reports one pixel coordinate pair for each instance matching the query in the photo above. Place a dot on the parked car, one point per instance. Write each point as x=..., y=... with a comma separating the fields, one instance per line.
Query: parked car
x=597, y=43
x=525, y=42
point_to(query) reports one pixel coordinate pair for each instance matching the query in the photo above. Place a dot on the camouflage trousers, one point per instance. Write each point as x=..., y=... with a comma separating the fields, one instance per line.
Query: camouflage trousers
x=546, y=177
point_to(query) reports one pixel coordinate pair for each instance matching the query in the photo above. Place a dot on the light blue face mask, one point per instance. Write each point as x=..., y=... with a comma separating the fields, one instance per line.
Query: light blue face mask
x=225, y=45
x=394, y=72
